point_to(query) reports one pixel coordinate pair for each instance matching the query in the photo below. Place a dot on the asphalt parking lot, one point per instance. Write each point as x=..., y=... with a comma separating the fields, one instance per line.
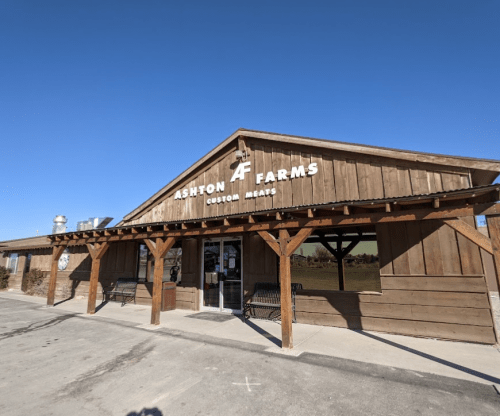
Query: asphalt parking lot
x=55, y=362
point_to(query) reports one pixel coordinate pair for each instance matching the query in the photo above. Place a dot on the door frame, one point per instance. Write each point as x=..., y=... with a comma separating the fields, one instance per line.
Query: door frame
x=221, y=292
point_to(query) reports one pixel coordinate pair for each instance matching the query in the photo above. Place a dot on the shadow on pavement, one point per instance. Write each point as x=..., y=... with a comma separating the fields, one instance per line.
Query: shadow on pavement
x=262, y=332
x=63, y=301
x=101, y=305
x=147, y=412
x=433, y=358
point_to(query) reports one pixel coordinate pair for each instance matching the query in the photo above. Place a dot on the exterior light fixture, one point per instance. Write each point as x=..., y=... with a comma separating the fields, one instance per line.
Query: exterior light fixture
x=241, y=155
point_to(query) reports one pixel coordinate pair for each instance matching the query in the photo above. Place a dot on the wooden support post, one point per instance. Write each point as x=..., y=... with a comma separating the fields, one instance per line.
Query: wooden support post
x=493, y=222
x=340, y=264
x=286, y=299
x=97, y=252
x=51, y=293
x=284, y=247
x=159, y=250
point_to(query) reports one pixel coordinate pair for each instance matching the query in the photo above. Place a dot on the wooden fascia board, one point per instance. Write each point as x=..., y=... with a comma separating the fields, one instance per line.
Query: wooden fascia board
x=418, y=157
x=336, y=221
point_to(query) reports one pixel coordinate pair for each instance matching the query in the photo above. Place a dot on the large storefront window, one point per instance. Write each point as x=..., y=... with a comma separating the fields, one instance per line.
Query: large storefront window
x=172, y=265
x=317, y=269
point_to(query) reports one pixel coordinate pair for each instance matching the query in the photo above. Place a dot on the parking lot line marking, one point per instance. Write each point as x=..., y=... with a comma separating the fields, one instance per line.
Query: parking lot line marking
x=247, y=384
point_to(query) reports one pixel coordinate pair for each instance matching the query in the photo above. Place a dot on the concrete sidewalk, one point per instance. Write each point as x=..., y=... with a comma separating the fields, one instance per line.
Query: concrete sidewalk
x=473, y=362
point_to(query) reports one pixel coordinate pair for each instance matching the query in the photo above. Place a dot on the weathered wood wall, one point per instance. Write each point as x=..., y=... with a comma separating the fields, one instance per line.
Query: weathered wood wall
x=15, y=279
x=341, y=176
x=433, y=285
x=119, y=261
x=260, y=263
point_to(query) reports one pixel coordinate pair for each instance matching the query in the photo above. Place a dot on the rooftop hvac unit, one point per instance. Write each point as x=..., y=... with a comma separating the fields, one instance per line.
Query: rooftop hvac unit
x=93, y=223
x=59, y=224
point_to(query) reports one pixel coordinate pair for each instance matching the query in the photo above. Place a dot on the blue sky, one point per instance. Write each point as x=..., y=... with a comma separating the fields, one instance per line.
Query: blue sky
x=104, y=102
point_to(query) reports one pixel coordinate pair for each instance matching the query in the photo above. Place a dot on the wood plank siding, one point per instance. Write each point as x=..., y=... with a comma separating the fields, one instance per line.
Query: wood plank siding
x=433, y=285
x=341, y=176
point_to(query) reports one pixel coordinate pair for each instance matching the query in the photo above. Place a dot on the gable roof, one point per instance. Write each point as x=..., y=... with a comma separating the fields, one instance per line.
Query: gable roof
x=483, y=171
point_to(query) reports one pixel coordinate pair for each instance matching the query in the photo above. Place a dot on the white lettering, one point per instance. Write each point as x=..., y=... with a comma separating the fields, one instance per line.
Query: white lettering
x=312, y=169
x=201, y=188
x=249, y=195
x=229, y=198
x=262, y=193
x=282, y=175
x=220, y=186
x=184, y=193
x=259, y=178
x=210, y=188
x=236, y=197
x=219, y=200
x=208, y=201
x=273, y=191
x=297, y=172
x=178, y=195
x=268, y=191
x=270, y=177
x=255, y=194
x=193, y=192
x=240, y=171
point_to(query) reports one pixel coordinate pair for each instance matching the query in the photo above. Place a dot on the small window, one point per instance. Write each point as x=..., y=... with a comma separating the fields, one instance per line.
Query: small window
x=142, y=263
x=12, y=262
x=27, y=265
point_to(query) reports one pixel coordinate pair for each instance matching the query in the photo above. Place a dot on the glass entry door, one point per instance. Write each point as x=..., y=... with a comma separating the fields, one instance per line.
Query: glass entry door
x=221, y=276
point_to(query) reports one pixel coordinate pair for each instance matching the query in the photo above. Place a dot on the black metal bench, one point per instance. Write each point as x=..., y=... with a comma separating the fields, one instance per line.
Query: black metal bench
x=125, y=288
x=265, y=302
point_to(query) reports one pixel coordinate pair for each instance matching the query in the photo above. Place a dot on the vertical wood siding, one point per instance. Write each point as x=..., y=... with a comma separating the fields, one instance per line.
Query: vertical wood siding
x=341, y=177
x=433, y=285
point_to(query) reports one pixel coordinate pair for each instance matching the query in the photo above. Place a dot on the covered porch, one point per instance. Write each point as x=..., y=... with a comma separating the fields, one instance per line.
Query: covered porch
x=284, y=230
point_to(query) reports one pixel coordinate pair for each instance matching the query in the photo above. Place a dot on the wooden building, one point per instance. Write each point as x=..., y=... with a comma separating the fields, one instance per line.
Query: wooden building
x=247, y=206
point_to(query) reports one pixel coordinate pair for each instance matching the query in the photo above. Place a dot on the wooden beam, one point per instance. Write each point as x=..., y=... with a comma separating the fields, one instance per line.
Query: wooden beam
x=346, y=210
x=159, y=249
x=271, y=241
x=56, y=254
x=97, y=252
x=322, y=222
x=346, y=238
x=286, y=294
x=494, y=230
x=310, y=213
x=350, y=247
x=470, y=233
x=284, y=247
x=279, y=217
x=297, y=240
x=151, y=245
x=387, y=207
x=435, y=203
